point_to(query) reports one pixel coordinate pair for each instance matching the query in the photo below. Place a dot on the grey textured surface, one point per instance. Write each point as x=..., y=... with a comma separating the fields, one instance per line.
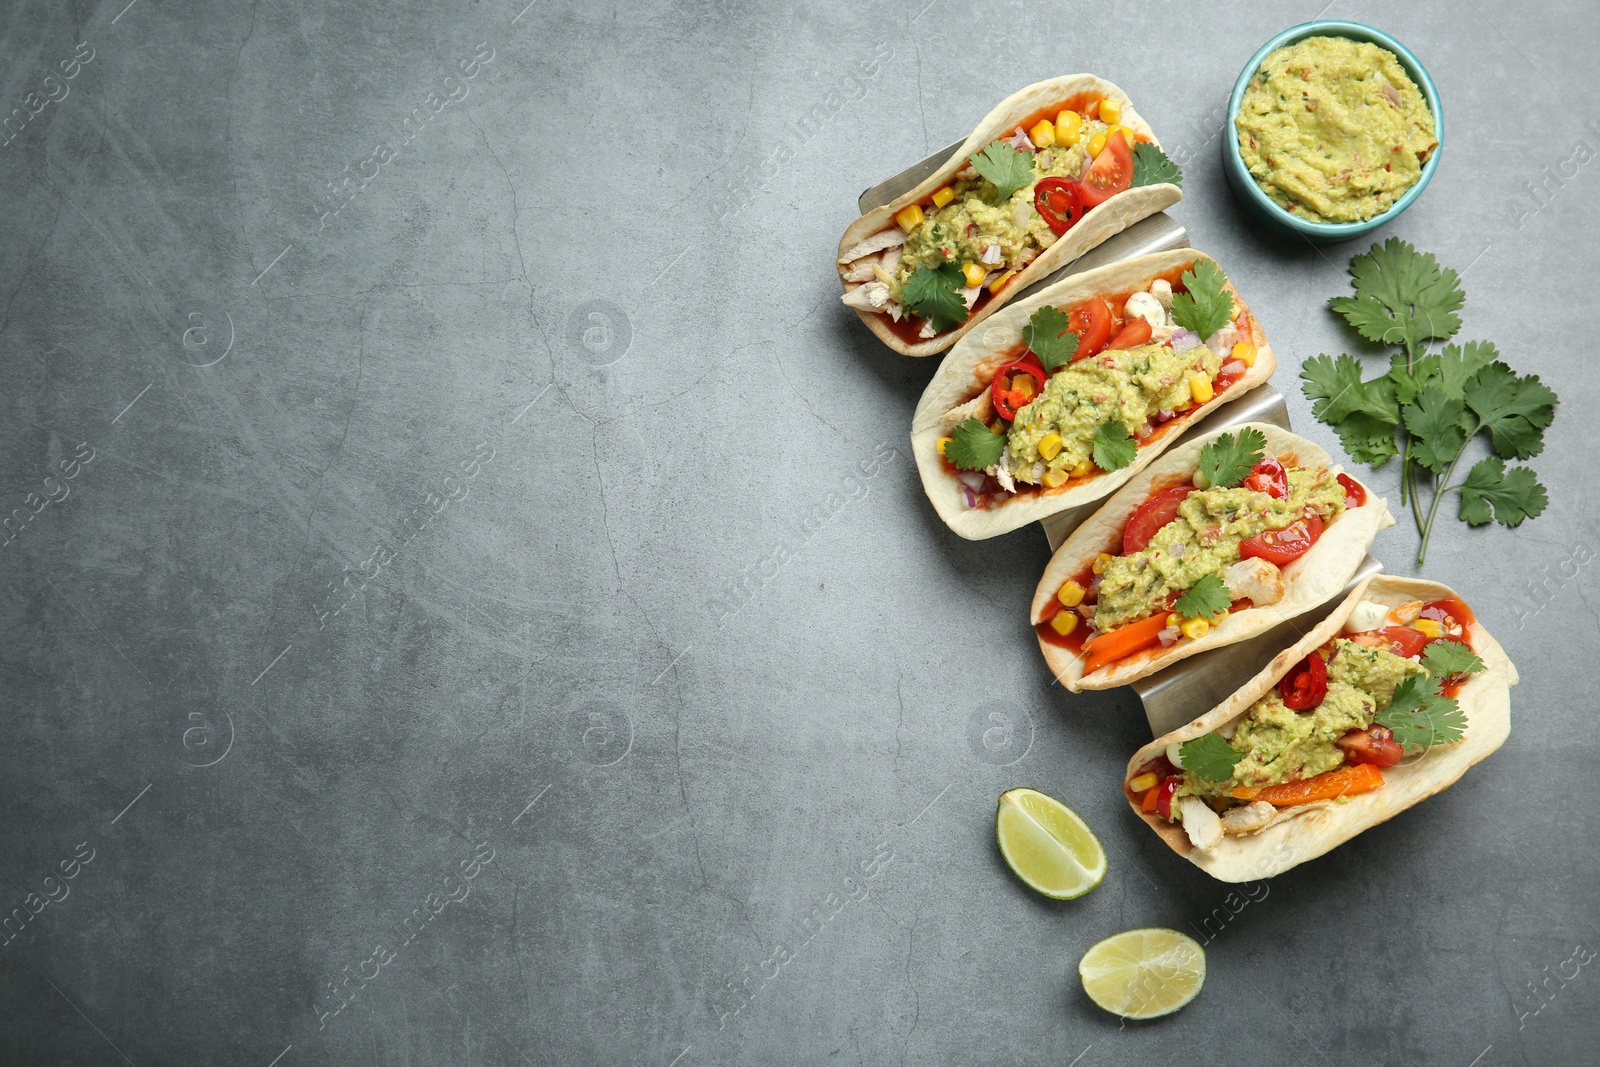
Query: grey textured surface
x=390, y=556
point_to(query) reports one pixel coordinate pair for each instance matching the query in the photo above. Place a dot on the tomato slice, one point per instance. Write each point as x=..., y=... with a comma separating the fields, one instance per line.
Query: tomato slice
x=1354, y=495
x=1268, y=477
x=1059, y=201
x=1136, y=333
x=1303, y=688
x=1280, y=547
x=1091, y=321
x=1111, y=172
x=1375, y=745
x=1008, y=396
x=1401, y=640
x=1150, y=516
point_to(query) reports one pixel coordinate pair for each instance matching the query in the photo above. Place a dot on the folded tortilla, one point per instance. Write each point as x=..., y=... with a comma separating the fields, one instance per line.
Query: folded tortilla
x=1305, y=831
x=1314, y=578
x=970, y=367
x=1103, y=221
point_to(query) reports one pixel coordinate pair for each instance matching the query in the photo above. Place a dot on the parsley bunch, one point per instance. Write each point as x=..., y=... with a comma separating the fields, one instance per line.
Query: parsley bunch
x=1430, y=405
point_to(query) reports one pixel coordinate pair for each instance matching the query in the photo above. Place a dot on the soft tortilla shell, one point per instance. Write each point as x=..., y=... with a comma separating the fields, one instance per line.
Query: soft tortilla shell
x=1313, y=579
x=1306, y=831
x=1104, y=221
x=969, y=368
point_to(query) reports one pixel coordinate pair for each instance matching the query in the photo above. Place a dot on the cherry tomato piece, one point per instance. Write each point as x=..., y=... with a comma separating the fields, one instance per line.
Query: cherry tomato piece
x=1111, y=172
x=1303, y=688
x=1375, y=745
x=1354, y=495
x=1150, y=516
x=1401, y=640
x=1091, y=321
x=1282, y=547
x=1164, y=793
x=1134, y=334
x=1059, y=201
x=1268, y=477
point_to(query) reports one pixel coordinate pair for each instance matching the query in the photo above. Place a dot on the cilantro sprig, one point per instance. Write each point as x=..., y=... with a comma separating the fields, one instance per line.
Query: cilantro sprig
x=1151, y=166
x=1206, y=599
x=1008, y=168
x=1048, y=338
x=1445, y=659
x=1429, y=407
x=1209, y=756
x=973, y=446
x=1205, y=306
x=1226, y=460
x=1420, y=716
x=934, y=293
x=1113, y=447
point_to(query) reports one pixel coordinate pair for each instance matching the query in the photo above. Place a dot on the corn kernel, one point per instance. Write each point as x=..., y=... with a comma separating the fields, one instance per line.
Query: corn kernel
x=942, y=442
x=1070, y=594
x=1050, y=446
x=1082, y=469
x=1054, y=478
x=1432, y=627
x=975, y=273
x=1174, y=620
x=998, y=283
x=1110, y=111
x=909, y=217
x=1194, y=628
x=1200, y=388
x=1069, y=127
x=942, y=196
x=1043, y=133
x=1097, y=144
x=1023, y=385
x=1245, y=353
x=998, y=428
x=1127, y=134
x=1145, y=781
x=1064, y=623
x=1100, y=562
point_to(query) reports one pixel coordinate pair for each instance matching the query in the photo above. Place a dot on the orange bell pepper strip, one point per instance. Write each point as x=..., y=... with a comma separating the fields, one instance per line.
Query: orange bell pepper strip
x=1123, y=641
x=1343, y=781
x=1150, y=796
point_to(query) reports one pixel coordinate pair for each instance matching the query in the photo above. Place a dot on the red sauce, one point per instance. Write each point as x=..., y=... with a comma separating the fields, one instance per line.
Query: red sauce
x=1072, y=642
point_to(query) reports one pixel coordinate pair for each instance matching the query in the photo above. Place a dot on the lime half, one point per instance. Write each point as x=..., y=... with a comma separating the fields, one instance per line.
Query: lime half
x=1141, y=974
x=1047, y=845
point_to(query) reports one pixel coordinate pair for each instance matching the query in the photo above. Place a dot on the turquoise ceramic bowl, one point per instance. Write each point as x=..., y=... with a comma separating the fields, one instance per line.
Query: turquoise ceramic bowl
x=1259, y=203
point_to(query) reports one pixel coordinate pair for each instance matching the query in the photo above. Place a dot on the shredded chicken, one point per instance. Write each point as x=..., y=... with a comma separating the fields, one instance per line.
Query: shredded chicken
x=1222, y=341
x=862, y=270
x=1248, y=819
x=1255, y=578
x=1001, y=472
x=1161, y=289
x=1200, y=823
x=980, y=407
x=890, y=238
x=869, y=297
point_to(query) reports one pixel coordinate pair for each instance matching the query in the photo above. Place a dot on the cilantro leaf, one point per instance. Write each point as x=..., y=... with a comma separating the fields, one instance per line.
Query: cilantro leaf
x=1513, y=494
x=973, y=446
x=1514, y=410
x=934, y=293
x=1367, y=439
x=1226, y=459
x=1206, y=599
x=1337, y=388
x=1445, y=658
x=1008, y=168
x=1205, y=306
x=1209, y=756
x=1152, y=167
x=1419, y=717
x=1439, y=426
x=1113, y=447
x=1403, y=297
x=1048, y=338
x=1459, y=363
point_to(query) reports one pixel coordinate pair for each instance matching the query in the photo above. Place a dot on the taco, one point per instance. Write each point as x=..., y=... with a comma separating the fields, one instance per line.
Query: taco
x=1049, y=174
x=1217, y=541
x=1384, y=703
x=1084, y=384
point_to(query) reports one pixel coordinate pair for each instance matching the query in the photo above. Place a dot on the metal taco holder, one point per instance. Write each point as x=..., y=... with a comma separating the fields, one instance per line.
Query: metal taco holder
x=1189, y=688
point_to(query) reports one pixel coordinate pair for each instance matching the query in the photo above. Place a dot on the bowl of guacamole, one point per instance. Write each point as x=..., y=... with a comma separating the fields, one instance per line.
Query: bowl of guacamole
x=1334, y=129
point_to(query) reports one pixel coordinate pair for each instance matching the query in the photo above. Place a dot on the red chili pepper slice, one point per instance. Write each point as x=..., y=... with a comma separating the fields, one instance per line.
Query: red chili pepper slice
x=1008, y=397
x=1164, y=793
x=1303, y=688
x=1059, y=201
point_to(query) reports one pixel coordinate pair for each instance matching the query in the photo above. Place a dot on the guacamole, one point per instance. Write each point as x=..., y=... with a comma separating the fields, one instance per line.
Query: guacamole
x=1281, y=745
x=1128, y=387
x=961, y=230
x=1209, y=527
x=1334, y=129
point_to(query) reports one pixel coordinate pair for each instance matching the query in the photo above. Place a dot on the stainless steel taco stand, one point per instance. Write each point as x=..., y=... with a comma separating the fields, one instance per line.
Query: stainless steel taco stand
x=1190, y=687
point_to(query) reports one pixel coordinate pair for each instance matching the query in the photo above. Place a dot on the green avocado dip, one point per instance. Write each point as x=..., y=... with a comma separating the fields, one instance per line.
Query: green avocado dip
x=1334, y=130
x=1204, y=539
x=1128, y=387
x=1283, y=745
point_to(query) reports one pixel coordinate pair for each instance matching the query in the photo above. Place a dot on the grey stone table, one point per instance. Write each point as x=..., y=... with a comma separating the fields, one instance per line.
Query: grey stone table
x=492, y=618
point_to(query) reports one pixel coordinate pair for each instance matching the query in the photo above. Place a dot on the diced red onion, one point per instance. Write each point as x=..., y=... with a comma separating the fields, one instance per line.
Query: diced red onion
x=992, y=255
x=1145, y=431
x=1164, y=416
x=1002, y=496
x=1233, y=368
x=1177, y=550
x=1168, y=637
x=1045, y=159
x=971, y=479
x=1020, y=141
x=1183, y=340
x=1094, y=588
x=968, y=497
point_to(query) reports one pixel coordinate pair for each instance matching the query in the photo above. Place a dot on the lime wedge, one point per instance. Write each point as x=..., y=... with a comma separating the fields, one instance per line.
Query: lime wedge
x=1047, y=845
x=1142, y=974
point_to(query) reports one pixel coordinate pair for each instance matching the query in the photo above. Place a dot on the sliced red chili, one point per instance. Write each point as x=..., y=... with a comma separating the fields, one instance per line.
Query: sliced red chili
x=1008, y=396
x=1164, y=793
x=1303, y=688
x=1059, y=201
